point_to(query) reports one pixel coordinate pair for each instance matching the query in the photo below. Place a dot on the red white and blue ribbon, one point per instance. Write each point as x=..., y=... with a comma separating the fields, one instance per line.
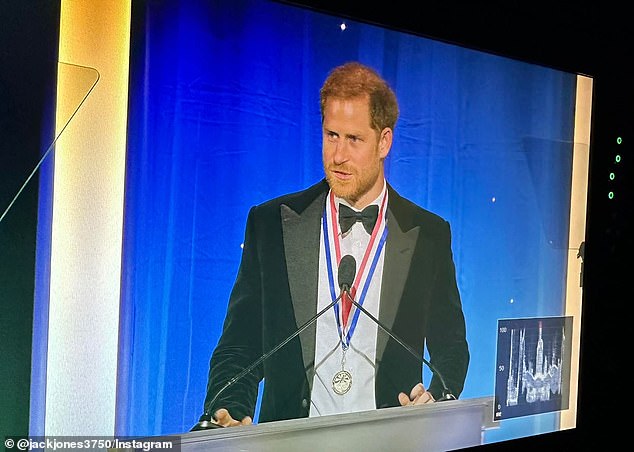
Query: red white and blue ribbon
x=332, y=243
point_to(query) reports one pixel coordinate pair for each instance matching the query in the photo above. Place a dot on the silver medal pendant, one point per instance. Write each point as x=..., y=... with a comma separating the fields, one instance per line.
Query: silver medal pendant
x=342, y=382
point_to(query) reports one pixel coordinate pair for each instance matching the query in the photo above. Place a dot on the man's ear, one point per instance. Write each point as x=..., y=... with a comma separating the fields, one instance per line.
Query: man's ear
x=385, y=142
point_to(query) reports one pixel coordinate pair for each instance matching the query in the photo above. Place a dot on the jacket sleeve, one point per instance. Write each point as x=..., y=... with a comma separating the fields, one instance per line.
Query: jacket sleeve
x=446, y=333
x=240, y=343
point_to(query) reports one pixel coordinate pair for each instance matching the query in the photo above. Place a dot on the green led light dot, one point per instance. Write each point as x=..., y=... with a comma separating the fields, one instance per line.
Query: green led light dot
x=612, y=176
x=617, y=159
x=611, y=195
x=619, y=140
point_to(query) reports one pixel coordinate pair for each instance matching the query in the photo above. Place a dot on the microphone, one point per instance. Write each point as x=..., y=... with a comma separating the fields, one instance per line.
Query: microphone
x=346, y=273
x=446, y=392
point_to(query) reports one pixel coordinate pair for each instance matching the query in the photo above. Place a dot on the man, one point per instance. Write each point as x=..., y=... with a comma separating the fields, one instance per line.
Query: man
x=405, y=277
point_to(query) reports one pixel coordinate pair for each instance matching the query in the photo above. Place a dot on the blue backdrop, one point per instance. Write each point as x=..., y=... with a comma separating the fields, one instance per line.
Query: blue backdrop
x=224, y=114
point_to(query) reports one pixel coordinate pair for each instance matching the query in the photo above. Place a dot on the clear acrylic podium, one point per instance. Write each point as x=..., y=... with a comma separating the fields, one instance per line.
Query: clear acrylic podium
x=440, y=426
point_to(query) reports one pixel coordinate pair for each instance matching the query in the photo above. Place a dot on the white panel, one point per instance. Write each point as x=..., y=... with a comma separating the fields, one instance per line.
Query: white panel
x=87, y=224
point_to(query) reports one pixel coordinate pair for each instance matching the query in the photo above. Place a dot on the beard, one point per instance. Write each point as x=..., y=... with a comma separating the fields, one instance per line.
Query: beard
x=353, y=189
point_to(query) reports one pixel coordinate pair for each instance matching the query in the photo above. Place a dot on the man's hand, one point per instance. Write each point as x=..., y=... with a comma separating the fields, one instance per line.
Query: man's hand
x=223, y=418
x=417, y=396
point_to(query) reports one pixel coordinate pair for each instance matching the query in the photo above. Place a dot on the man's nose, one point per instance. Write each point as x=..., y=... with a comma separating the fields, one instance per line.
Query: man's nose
x=340, y=154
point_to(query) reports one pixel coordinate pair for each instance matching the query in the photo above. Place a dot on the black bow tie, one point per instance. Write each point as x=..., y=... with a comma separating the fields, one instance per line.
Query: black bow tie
x=348, y=217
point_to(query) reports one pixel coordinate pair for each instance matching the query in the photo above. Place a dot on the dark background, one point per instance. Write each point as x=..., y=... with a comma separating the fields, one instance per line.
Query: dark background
x=584, y=37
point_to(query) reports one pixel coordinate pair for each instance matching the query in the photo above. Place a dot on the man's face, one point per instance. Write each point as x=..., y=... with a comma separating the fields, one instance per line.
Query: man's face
x=352, y=151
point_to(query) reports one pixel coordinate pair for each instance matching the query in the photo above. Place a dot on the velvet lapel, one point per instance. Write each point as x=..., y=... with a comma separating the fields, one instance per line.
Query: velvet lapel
x=301, y=233
x=399, y=249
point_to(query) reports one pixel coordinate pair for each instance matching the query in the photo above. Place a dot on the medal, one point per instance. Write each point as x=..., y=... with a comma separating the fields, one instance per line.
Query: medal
x=342, y=382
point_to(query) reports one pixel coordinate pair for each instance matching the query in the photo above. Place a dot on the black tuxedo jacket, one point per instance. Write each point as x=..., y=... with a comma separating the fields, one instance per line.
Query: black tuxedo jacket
x=275, y=293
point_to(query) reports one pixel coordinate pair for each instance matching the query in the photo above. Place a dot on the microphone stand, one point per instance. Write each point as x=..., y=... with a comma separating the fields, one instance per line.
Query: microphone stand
x=446, y=393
